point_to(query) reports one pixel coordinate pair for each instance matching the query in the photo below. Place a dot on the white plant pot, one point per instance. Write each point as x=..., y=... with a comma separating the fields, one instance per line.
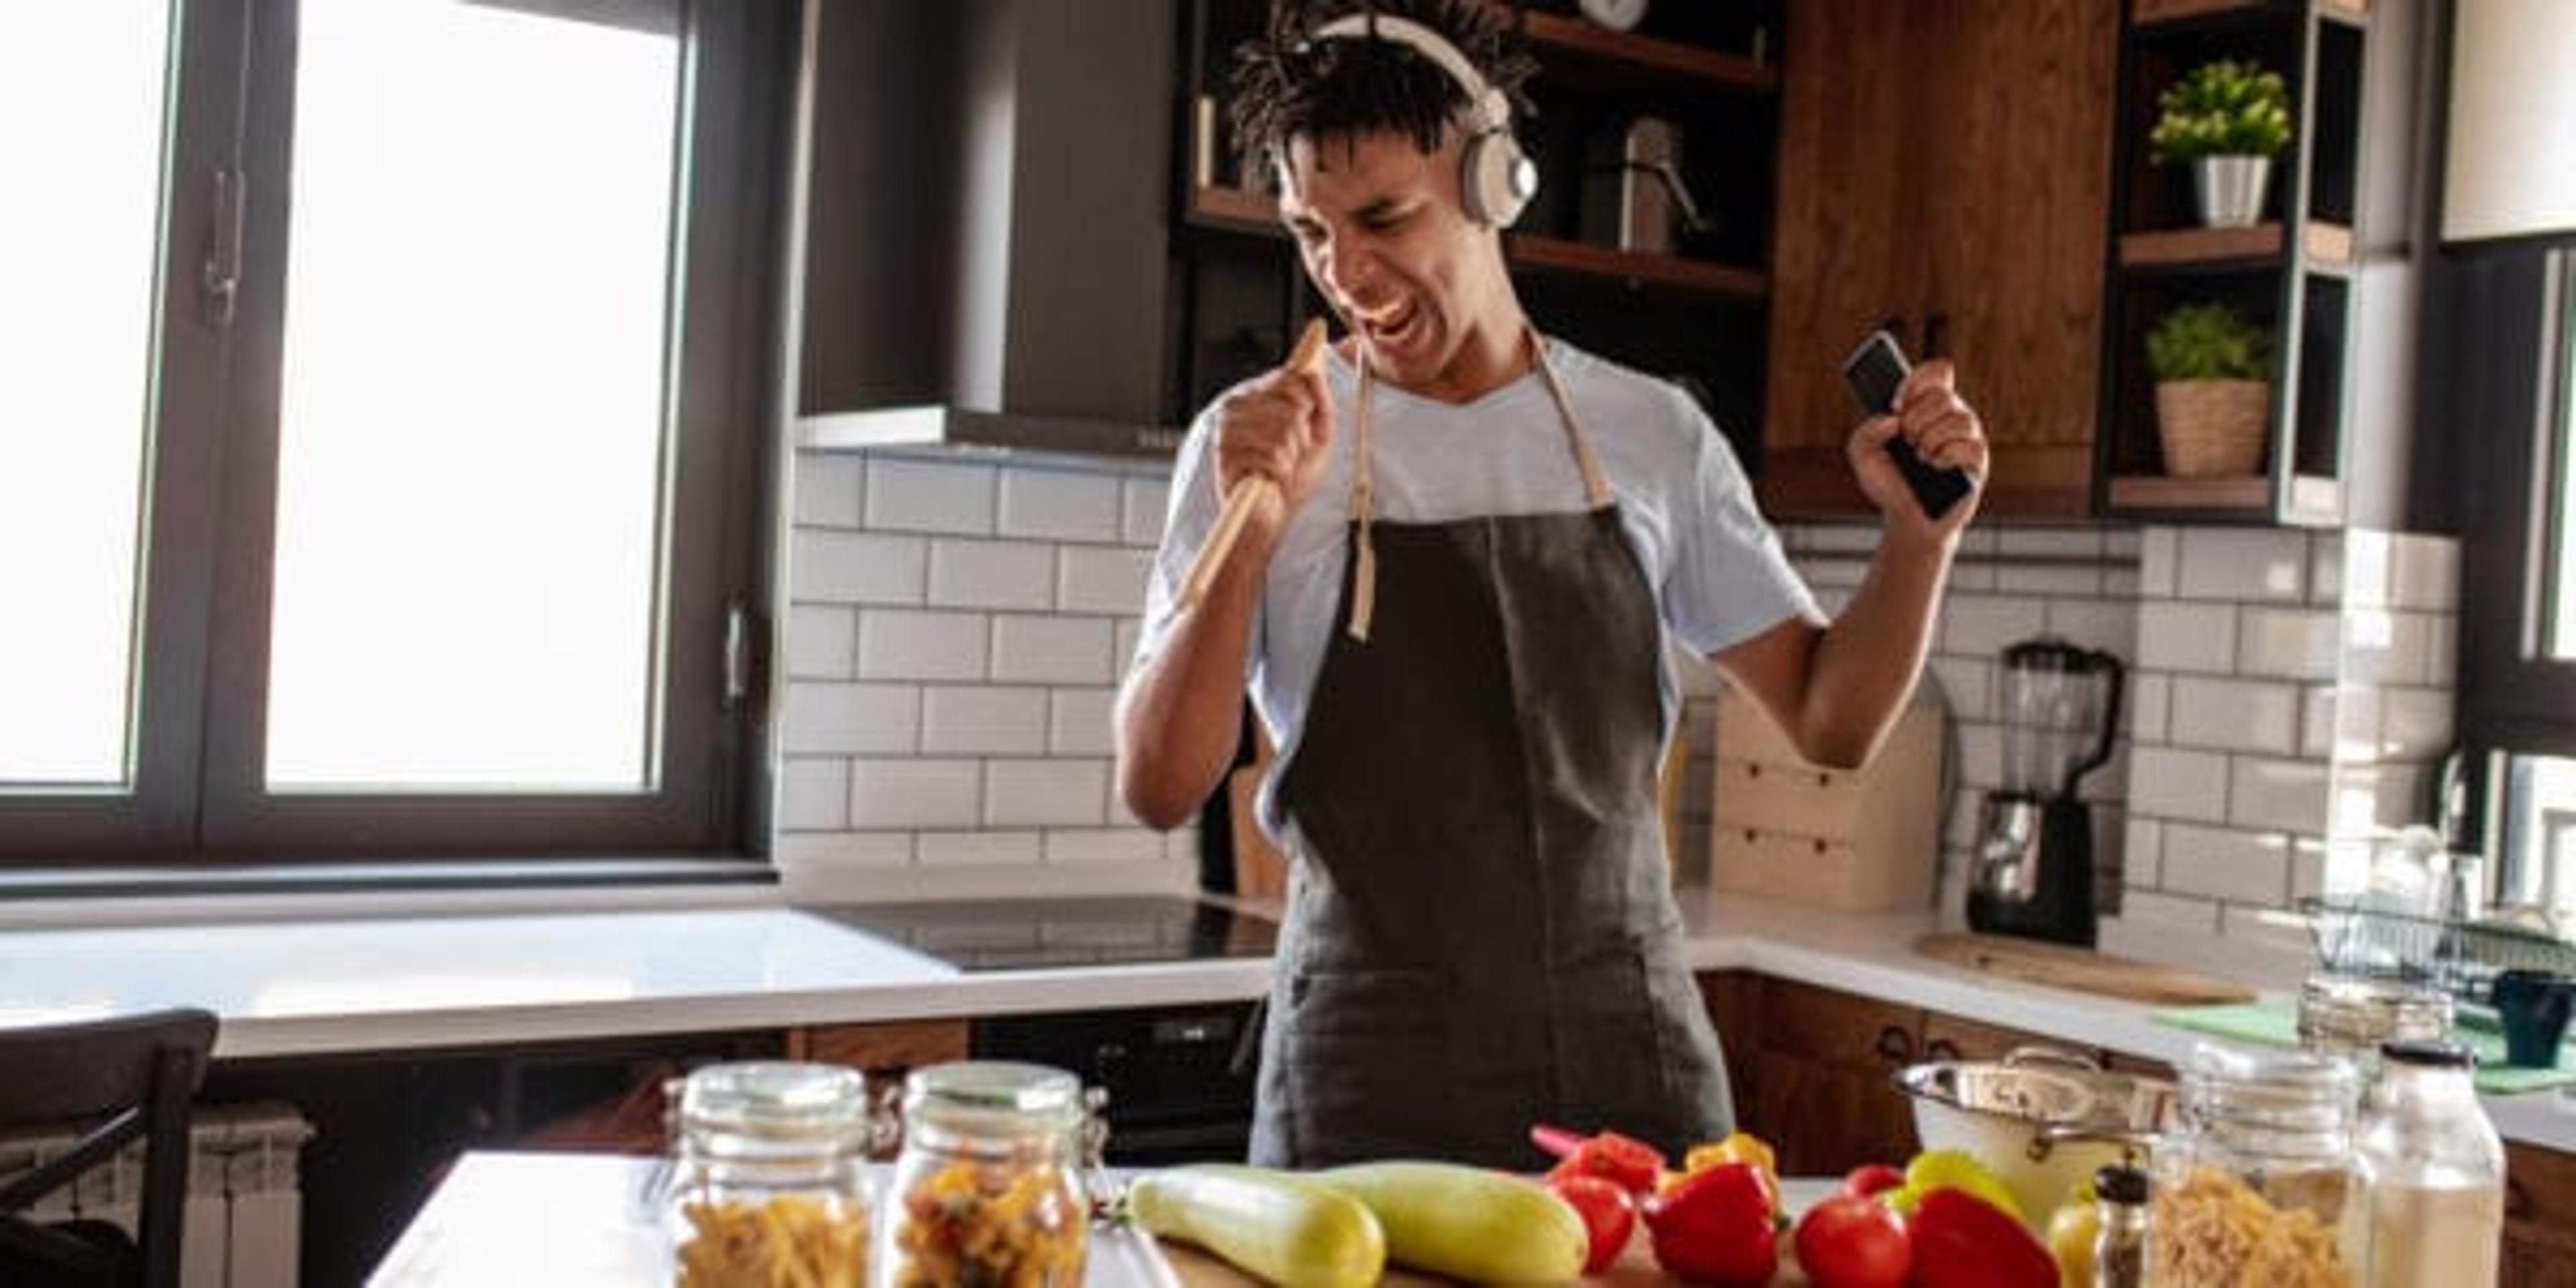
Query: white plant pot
x=2231, y=189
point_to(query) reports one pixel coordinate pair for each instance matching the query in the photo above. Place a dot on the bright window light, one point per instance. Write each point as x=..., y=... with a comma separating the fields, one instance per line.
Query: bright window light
x=471, y=476
x=2562, y=555
x=82, y=97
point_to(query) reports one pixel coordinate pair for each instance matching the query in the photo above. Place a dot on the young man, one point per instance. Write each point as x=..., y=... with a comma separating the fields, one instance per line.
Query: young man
x=1450, y=614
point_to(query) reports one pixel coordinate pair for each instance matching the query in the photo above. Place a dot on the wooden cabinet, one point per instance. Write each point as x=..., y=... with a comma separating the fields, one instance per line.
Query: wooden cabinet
x=1944, y=173
x=893, y=1047
x=2539, y=1219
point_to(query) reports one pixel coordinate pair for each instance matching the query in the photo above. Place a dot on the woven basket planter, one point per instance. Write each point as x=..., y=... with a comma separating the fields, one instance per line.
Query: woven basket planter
x=2212, y=428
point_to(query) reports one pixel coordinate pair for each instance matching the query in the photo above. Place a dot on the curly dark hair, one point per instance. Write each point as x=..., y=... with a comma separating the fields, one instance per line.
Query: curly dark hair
x=1286, y=85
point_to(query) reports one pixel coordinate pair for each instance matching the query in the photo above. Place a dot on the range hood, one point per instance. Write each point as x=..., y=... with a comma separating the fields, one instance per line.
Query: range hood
x=978, y=247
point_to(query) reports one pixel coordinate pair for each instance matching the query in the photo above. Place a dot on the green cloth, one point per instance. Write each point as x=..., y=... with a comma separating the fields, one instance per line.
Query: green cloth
x=2276, y=1023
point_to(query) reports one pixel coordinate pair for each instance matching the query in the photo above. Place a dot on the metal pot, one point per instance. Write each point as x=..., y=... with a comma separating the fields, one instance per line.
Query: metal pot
x=2040, y=1119
x=2231, y=189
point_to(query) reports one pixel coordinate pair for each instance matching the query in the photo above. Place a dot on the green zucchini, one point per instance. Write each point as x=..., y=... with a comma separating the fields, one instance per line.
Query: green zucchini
x=1468, y=1223
x=1277, y=1225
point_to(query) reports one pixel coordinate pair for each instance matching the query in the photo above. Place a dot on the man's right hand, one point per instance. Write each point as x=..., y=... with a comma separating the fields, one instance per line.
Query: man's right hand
x=1278, y=426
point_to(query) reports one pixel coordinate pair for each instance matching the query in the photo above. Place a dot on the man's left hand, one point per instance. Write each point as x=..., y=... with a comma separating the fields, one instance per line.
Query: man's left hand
x=1945, y=432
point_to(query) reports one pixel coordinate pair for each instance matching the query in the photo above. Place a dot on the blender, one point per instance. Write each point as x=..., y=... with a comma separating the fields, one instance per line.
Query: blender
x=2033, y=871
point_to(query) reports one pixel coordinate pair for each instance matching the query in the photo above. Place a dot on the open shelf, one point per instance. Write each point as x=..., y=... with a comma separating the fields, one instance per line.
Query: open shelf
x=1238, y=209
x=2327, y=246
x=2150, y=13
x=2313, y=499
x=1725, y=280
x=1708, y=67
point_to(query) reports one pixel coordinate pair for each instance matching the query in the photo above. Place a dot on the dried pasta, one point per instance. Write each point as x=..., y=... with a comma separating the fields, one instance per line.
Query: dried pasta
x=2213, y=1231
x=789, y=1241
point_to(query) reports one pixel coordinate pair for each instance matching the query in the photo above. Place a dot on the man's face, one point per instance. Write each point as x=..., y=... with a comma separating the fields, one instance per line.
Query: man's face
x=1387, y=241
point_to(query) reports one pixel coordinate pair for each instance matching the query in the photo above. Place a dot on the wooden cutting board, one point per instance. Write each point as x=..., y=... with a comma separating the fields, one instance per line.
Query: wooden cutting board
x=1195, y=1269
x=2080, y=969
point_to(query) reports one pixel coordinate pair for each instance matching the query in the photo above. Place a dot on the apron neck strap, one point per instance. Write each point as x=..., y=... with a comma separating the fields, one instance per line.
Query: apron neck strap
x=1596, y=481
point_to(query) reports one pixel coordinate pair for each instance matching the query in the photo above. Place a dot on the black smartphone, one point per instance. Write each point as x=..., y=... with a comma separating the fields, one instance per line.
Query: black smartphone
x=1876, y=371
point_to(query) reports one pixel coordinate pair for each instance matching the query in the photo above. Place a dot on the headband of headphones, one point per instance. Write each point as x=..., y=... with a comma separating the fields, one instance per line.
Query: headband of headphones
x=1493, y=112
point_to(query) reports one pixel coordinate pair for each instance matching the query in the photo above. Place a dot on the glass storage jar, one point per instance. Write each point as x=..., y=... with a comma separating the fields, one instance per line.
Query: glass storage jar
x=2257, y=1183
x=768, y=1181
x=2351, y=1015
x=988, y=1188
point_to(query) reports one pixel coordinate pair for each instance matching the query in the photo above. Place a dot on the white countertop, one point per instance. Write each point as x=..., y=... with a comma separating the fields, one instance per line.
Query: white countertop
x=359, y=985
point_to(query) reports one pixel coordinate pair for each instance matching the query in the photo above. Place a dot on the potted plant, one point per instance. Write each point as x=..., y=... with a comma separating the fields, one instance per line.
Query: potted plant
x=2213, y=372
x=2228, y=119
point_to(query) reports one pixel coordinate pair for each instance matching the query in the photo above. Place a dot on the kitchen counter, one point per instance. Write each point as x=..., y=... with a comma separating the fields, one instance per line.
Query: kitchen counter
x=364, y=986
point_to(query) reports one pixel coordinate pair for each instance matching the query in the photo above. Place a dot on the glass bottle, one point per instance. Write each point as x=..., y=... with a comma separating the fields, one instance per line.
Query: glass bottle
x=2120, y=1240
x=988, y=1188
x=2436, y=1171
x=768, y=1175
x=2256, y=1183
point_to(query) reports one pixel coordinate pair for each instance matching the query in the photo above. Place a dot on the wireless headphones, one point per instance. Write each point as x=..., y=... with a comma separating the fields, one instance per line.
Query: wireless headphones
x=1495, y=178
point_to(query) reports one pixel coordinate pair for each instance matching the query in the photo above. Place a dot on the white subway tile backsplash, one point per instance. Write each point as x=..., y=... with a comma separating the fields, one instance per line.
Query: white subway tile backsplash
x=2186, y=637
x=2424, y=573
x=2291, y=795
x=1981, y=755
x=900, y=644
x=1837, y=538
x=1981, y=625
x=1147, y=500
x=2415, y=724
x=2048, y=579
x=2159, y=562
x=1181, y=845
x=822, y=641
x=1102, y=579
x=2442, y=652
x=2325, y=569
x=1052, y=650
x=2067, y=543
x=2150, y=703
x=827, y=486
x=2142, y=850
x=2382, y=646
x=1977, y=576
x=992, y=574
x=830, y=567
x=2105, y=624
x=803, y=853
x=2269, y=927
x=2307, y=867
x=912, y=794
x=1122, y=646
x=1045, y=793
x=930, y=496
x=2244, y=564
x=2357, y=720
x=2292, y=643
x=1833, y=572
x=2319, y=708
x=1103, y=845
x=2369, y=560
x=1061, y=505
x=867, y=719
x=1967, y=683
x=1080, y=722
x=813, y=795
x=2168, y=912
x=2120, y=581
x=977, y=849
x=983, y=721
x=2122, y=543
x=2217, y=863
x=2236, y=715
x=2168, y=783
x=2371, y=797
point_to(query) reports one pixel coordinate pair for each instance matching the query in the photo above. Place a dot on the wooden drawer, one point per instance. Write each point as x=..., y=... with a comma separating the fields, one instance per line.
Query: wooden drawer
x=1800, y=800
x=890, y=1047
x=2540, y=1190
x=1839, y=1029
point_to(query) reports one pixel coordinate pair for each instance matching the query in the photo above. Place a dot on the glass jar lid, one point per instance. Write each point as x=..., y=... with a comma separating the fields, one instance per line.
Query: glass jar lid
x=774, y=1107
x=993, y=1097
x=2283, y=1095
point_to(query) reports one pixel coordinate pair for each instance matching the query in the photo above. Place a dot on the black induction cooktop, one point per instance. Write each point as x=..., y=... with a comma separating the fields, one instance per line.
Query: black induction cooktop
x=1033, y=934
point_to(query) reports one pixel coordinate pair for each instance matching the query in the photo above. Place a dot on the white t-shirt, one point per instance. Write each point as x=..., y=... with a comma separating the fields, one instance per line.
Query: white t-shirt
x=1716, y=568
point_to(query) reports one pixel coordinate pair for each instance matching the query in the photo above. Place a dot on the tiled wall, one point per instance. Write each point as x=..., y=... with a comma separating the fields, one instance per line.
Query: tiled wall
x=956, y=632
x=2295, y=694
x=2008, y=585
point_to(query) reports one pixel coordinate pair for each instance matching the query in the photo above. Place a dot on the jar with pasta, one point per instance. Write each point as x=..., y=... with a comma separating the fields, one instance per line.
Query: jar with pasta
x=989, y=1187
x=768, y=1182
x=2257, y=1182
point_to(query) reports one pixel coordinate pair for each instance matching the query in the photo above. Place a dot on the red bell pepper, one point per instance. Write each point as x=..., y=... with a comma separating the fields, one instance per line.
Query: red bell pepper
x=1717, y=1227
x=1632, y=1165
x=1961, y=1241
x=1609, y=1216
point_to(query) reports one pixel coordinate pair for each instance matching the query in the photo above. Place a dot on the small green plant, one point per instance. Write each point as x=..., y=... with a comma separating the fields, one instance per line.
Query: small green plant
x=2223, y=108
x=2208, y=342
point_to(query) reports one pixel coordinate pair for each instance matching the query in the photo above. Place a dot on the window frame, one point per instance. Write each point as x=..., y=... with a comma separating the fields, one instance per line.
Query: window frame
x=198, y=795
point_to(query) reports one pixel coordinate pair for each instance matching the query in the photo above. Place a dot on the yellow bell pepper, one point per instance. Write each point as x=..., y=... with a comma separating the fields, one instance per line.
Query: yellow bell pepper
x=1741, y=1147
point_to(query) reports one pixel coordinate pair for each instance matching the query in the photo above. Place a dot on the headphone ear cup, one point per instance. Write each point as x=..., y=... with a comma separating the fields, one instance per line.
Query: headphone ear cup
x=1496, y=179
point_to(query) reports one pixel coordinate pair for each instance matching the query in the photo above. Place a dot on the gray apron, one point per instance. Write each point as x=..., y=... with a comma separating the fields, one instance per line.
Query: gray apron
x=1480, y=932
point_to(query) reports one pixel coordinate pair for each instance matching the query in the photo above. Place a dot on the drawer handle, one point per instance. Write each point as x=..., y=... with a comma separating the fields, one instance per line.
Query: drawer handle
x=1895, y=1045
x=1941, y=1049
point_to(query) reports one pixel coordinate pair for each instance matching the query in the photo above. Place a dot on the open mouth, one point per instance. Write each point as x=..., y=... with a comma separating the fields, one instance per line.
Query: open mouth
x=1391, y=325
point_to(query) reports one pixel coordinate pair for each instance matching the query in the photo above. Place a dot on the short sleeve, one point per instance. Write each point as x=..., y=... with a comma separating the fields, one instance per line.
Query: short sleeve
x=1188, y=517
x=1727, y=579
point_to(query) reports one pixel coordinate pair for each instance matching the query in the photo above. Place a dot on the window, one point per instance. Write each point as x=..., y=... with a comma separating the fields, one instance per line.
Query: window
x=2514, y=373
x=383, y=429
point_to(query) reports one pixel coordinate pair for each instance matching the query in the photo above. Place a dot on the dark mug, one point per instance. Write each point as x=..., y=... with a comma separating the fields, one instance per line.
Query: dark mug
x=2533, y=1005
